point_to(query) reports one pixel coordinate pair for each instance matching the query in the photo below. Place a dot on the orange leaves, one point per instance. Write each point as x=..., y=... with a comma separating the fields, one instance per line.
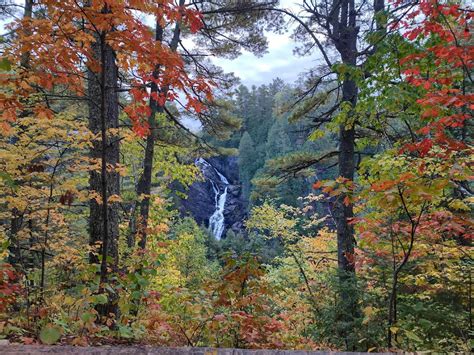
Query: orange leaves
x=9, y=115
x=346, y=201
x=341, y=187
x=58, y=47
x=194, y=20
x=139, y=114
x=383, y=185
x=194, y=104
x=43, y=112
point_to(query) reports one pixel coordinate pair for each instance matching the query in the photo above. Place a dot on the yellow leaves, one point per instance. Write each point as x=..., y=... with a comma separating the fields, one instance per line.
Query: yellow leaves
x=159, y=228
x=369, y=313
x=273, y=220
x=143, y=196
x=94, y=195
x=394, y=330
x=459, y=205
x=114, y=199
x=316, y=134
x=3, y=243
x=324, y=241
x=420, y=280
x=16, y=203
x=469, y=200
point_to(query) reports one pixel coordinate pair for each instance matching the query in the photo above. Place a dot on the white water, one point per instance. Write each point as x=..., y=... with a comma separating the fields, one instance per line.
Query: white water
x=216, y=221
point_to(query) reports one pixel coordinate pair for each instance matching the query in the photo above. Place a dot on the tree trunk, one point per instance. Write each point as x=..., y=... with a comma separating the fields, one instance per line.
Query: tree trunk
x=103, y=116
x=144, y=184
x=344, y=212
x=345, y=40
x=392, y=309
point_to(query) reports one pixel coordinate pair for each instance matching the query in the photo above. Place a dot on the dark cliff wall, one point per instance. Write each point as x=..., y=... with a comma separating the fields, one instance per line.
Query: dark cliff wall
x=200, y=203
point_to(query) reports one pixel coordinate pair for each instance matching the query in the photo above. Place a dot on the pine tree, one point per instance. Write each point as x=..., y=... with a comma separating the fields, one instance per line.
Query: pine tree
x=247, y=163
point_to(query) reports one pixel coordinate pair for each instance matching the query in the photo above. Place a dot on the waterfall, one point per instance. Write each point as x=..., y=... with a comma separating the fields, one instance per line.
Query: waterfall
x=216, y=221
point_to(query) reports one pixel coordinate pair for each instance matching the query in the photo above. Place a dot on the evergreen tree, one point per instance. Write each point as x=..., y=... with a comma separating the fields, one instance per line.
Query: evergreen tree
x=278, y=141
x=247, y=163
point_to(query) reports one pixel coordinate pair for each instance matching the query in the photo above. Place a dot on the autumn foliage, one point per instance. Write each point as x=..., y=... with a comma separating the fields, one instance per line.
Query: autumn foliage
x=59, y=46
x=405, y=285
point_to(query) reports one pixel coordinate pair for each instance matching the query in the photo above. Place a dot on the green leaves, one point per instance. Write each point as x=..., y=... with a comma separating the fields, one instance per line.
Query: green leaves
x=8, y=180
x=100, y=299
x=316, y=134
x=88, y=317
x=50, y=334
x=413, y=336
x=5, y=65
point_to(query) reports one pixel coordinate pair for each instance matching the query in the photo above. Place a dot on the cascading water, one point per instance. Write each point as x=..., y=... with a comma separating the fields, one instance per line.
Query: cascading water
x=216, y=221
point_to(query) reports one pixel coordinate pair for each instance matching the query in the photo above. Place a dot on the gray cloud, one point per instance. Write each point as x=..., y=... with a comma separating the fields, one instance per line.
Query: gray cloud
x=278, y=62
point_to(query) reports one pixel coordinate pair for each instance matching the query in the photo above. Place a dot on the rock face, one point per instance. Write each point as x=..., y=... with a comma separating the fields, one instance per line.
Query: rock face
x=216, y=201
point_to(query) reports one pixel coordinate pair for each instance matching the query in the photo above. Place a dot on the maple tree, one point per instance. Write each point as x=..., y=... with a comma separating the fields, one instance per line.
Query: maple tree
x=419, y=189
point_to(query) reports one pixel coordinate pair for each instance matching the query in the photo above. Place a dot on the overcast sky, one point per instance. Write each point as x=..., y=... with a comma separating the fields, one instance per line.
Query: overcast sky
x=278, y=62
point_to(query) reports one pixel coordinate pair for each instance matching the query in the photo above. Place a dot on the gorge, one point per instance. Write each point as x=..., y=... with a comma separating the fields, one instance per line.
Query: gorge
x=215, y=201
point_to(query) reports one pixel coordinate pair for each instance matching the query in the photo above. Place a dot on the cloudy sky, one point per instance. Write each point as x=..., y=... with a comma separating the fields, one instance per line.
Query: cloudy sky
x=278, y=62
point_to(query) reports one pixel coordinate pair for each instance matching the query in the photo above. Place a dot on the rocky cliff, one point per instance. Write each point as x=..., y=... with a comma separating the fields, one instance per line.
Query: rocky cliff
x=216, y=201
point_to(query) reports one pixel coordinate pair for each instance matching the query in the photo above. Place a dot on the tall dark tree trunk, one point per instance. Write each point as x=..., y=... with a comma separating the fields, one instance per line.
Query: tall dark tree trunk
x=25, y=57
x=144, y=184
x=140, y=223
x=345, y=40
x=104, y=182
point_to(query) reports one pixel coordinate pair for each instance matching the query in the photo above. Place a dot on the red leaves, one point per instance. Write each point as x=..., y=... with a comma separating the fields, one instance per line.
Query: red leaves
x=9, y=286
x=346, y=201
x=67, y=198
x=194, y=20
x=442, y=102
x=422, y=147
x=430, y=112
x=412, y=35
x=350, y=257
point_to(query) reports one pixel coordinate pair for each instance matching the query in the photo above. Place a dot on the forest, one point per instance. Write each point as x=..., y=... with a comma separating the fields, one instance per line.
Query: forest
x=150, y=196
